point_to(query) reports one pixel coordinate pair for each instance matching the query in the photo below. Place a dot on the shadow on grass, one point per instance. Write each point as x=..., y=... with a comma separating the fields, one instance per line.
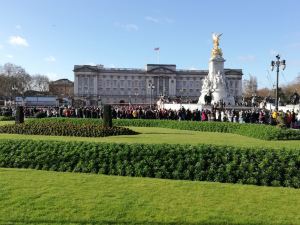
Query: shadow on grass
x=168, y=133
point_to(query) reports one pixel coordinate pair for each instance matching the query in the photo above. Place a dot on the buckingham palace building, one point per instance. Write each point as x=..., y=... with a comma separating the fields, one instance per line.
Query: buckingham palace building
x=96, y=85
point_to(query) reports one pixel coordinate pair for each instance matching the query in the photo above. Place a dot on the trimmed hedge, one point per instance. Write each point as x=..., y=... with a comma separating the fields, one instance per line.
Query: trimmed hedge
x=40, y=115
x=4, y=118
x=259, y=131
x=6, y=113
x=65, y=129
x=19, y=115
x=257, y=166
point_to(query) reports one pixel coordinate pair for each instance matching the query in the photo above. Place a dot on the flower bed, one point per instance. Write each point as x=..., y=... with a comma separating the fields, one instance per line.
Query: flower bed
x=257, y=166
x=259, y=131
x=65, y=129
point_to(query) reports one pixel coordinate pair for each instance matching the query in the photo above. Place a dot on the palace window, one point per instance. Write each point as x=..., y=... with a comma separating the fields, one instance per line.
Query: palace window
x=115, y=82
x=191, y=83
x=136, y=83
x=129, y=82
x=91, y=81
x=183, y=83
x=100, y=82
x=107, y=82
x=122, y=82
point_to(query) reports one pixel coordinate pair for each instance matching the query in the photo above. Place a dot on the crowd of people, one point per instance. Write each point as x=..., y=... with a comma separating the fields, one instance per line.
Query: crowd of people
x=142, y=112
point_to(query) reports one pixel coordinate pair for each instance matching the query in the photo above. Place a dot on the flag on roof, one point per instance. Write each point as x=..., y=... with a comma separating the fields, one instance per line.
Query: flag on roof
x=156, y=49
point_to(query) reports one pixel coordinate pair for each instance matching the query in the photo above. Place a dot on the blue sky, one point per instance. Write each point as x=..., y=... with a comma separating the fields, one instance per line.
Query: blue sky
x=51, y=36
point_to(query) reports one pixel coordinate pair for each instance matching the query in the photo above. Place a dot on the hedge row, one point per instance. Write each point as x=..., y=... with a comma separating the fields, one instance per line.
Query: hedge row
x=6, y=118
x=64, y=129
x=259, y=131
x=257, y=166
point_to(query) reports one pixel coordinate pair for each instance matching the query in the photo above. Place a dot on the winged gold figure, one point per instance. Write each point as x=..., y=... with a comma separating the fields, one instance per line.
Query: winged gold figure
x=216, y=39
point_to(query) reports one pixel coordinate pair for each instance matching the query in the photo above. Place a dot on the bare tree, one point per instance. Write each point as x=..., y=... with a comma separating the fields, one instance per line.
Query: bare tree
x=40, y=82
x=13, y=75
x=249, y=86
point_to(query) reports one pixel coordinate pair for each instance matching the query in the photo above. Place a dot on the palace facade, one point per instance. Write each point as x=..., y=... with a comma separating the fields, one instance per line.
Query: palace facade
x=99, y=85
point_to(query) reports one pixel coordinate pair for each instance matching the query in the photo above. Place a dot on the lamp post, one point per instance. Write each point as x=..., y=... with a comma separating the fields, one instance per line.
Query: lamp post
x=277, y=64
x=15, y=89
x=136, y=94
x=151, y=86
x=181, y=96
x=87, y=100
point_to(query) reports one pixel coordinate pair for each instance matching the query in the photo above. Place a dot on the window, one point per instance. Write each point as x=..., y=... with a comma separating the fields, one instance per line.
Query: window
x=167, y=83
x=100, y=82
x=197, y=84
x=143, y=92
x=85, y=81
x=129, y=83
x=191, y=83
x=236, y=84
x=107, y=92
x=177, y=83
x=92, y=91
x=129, y=92
x=115, y=92
x=99, y=92
x=143, y=83
x=231, y=83
x=91, y=81
x=183, y=83
x=122, y=82
x=80, y=91
x=107, y=82
x=160, y=83
x=79, y=81
x=136, y=83
x=122, y=92
x=115, y=82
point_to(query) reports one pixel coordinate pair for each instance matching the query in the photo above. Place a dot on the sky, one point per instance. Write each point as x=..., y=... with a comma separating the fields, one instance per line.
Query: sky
x=51, y=36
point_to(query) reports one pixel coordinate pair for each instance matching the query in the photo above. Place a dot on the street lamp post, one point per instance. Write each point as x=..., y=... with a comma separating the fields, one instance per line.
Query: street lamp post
x=181, y=96
x=151, y=86
x=136, y=94
x=277, y=64
x=15, y=89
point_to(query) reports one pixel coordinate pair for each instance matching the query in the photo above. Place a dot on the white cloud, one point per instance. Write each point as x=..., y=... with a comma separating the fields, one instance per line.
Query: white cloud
x=192, y=68
x=169, y=20
x=18, y=27
x=130, y=26
x=91, y=64
x=17, y=41
x=112, y=66
x=294, y=63
x=152, y=19
x=9, y=56
x=249, y=58
x=50, y=59
x=273, y=52
x=52, y=76
x=1, y=46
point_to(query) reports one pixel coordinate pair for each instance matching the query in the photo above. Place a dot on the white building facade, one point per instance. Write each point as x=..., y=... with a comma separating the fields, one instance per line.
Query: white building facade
x=98, y=85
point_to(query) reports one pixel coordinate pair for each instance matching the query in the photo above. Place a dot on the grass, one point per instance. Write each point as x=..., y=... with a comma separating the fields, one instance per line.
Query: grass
x=165, y=135
x=44, y=197
x=70, y=198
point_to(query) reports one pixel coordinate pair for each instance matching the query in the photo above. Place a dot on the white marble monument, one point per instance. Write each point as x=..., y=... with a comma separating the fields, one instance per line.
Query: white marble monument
x=215, y=88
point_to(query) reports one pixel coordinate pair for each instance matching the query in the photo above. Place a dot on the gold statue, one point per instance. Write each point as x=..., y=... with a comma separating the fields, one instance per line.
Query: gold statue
x=216, y=44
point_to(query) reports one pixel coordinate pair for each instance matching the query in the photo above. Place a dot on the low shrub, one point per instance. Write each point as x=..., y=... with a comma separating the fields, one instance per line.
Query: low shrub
x=259, y=131
x=6, y=114
x=40, y=115
x=65, y=129
x=9, y=118
x=257, y=166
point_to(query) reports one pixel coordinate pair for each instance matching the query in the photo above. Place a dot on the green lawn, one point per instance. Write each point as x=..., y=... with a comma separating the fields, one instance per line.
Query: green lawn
x=43, y=197
x=70, y=198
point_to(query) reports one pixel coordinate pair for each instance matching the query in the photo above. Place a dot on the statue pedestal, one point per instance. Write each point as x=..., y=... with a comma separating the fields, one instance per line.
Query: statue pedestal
x=216, y=84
